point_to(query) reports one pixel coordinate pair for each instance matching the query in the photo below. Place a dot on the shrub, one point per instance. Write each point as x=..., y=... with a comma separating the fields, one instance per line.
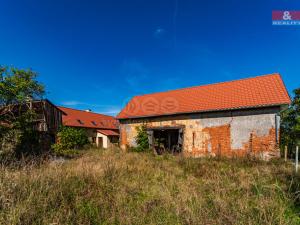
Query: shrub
x=141, y=139
x=19, y=143
x=290, y=125
x=70, y=140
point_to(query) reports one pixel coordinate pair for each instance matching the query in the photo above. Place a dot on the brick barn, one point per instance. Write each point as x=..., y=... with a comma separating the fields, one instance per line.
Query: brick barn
x=102, y=130
x=235, y=118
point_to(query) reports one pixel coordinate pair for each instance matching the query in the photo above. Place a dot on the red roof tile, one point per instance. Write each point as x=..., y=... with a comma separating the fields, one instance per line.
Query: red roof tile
x=79, y=118
x=267, y=90
x=108, y=132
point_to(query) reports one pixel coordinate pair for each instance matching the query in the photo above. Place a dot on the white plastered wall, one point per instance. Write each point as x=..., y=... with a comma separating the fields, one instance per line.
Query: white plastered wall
x=105, y=140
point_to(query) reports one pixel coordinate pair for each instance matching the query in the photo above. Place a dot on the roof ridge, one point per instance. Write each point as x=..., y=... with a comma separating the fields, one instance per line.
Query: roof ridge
x=86, y=111
x=205, y=85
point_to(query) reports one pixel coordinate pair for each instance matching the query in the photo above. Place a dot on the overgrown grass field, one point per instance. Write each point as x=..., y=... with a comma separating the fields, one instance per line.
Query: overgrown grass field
x=112, y=187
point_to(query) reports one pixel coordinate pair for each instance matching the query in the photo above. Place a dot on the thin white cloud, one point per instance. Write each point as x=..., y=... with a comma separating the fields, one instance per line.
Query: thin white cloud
x=78, y=103
x=175, y=23
x=71, y=103
x=159, y=33
x=112, y=110
x=135, y=72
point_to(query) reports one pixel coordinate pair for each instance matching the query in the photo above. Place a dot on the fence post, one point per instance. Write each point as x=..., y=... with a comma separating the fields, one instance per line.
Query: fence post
x=285, y=153
x=296, y=163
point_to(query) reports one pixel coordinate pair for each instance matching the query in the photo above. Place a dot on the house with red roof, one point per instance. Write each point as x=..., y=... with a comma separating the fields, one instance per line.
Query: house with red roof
x=235, y=118
x=102, y=130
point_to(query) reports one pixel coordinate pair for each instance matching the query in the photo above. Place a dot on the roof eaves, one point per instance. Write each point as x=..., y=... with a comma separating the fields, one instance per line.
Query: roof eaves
x=203, y=111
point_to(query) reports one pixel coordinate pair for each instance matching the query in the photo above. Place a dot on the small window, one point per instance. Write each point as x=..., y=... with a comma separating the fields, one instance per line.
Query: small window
x=94, y=139
x=79, y=121
x=94, y=123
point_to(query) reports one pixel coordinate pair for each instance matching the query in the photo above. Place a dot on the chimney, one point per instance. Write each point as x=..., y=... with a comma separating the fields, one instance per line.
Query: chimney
x=88, y=110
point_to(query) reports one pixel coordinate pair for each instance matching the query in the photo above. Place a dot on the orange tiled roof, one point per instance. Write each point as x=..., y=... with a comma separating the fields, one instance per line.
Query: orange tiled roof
x=266, y=90
x=79, y=118
x=108, y=132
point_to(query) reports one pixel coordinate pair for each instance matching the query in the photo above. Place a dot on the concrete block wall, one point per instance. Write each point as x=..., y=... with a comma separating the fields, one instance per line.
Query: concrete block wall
x=231, y=133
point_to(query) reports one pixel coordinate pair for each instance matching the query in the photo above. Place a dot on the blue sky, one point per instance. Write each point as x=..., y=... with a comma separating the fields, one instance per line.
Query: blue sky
x=99, y=54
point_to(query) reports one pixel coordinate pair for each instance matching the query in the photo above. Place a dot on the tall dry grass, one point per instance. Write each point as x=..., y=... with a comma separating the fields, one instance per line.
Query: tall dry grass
x=112, y=187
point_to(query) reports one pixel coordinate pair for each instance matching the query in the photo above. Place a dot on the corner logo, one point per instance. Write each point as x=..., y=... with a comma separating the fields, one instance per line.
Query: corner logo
x=286, y=15
x=287, y=18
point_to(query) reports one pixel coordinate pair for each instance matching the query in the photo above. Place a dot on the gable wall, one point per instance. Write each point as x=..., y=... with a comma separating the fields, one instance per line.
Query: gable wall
x=232, y=133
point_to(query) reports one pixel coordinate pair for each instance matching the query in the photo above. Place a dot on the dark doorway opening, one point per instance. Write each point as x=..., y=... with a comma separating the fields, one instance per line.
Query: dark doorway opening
x=100, y=142
x=166, y=140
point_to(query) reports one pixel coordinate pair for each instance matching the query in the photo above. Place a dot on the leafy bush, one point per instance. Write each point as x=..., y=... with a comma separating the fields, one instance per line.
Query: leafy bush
x=141, y=139
x=290, y=125
x=70, y=140
x=17, y=88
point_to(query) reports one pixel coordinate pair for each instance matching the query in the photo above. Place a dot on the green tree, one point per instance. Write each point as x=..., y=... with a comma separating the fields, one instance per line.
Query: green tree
x=142, y=139
x=70, y=140
x=290, y=124
x=18, y=87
